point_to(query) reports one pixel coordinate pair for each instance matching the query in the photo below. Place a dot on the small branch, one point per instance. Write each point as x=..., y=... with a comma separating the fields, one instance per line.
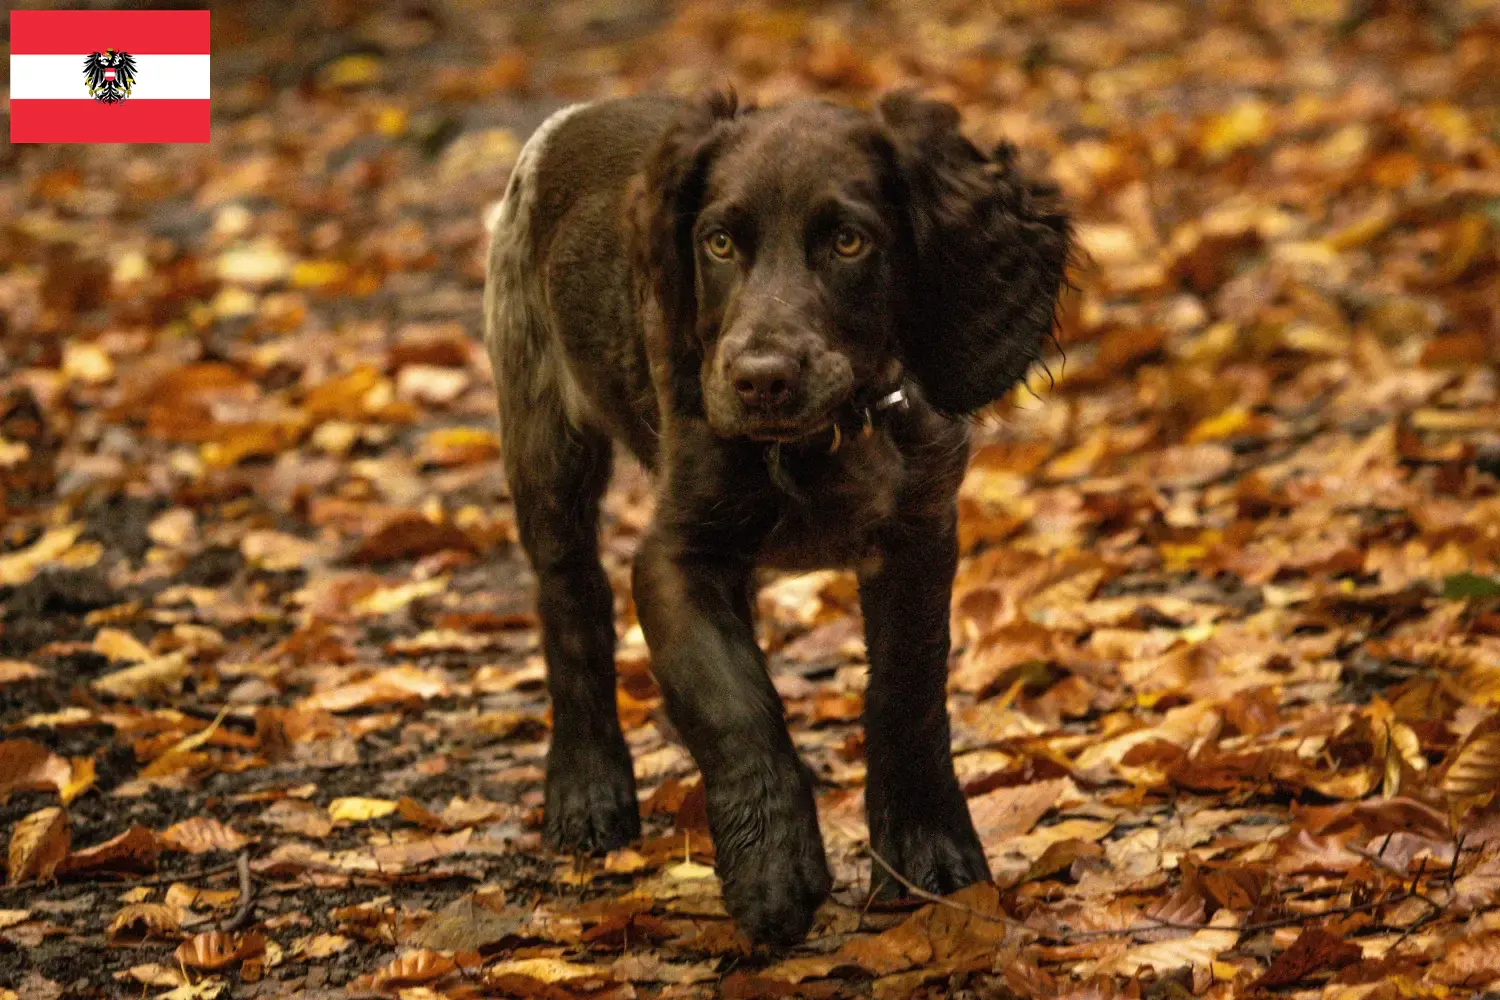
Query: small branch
x=933, y=897
x=1259, y=925
x=168, y=879
x=102, y=878
x=1153, y=924
x=247, y=896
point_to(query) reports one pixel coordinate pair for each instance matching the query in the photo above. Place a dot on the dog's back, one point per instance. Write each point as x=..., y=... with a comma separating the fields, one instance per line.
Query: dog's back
x=561, y=322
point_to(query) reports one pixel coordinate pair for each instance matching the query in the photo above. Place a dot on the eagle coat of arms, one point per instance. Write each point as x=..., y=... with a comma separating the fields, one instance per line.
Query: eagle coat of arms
x=109, y=75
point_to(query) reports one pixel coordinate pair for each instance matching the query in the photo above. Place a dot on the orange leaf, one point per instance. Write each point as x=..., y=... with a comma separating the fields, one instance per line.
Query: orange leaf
x=27, y=765
x=38, y=845
x=412, y=969
x=202, y=834
x=215, y=949
x=133, y=850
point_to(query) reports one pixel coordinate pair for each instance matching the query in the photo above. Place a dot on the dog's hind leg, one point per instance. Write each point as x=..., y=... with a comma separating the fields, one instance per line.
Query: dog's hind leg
x=558, y=466
x=557, y=476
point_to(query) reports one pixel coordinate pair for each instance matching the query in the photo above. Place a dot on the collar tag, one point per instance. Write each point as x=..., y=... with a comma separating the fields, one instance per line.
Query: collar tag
x=896, y=397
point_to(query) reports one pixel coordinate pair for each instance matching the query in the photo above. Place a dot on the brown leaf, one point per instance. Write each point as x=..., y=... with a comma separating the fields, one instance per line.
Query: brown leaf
x=142, y=920
x=1314, y=951
x=1011, y=812
x=402, y=685
x=1474, y=768
x=412, y=969
x=202, y=834
x=409, y=535
x=215, y=949
x=134, y=850
x=38, y=844
x=967, y=929
x=1199, y=950
x=26, y=765
x=1470, y=961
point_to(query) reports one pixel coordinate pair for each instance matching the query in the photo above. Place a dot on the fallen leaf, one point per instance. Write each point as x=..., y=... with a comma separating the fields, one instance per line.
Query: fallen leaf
x=412, y=969
x=134, y=850
x=354, y=809
x=202, y=834
x=117, y=646
x=1314, y=951
x=26, y=765
x=142, y=920
x=17, y=670
x=158, y=675
x=215, y=949
x=1200, y=950
x=23, y=565
x=38, y=844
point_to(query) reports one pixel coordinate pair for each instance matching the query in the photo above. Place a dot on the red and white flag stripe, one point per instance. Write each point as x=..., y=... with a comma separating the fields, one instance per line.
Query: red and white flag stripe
x=49, y=93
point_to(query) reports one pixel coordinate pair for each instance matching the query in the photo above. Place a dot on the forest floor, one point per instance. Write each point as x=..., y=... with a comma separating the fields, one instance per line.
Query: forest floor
x=1226, y=679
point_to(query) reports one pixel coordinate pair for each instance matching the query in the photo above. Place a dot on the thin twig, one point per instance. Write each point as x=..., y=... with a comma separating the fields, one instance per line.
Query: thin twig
x=132, y=883
x=1153, y=923
x=1251, y=928
x=182, y=876
x=933, y=897
x=247, y=897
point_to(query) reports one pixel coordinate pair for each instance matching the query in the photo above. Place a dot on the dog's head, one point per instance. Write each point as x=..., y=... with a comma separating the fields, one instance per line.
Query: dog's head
x=803, y=255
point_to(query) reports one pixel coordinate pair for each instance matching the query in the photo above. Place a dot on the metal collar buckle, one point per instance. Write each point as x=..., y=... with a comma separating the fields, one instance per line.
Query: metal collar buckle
x=896, y=397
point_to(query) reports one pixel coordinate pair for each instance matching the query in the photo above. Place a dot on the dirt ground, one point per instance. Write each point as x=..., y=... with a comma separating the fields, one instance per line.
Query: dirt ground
x=1227, y=628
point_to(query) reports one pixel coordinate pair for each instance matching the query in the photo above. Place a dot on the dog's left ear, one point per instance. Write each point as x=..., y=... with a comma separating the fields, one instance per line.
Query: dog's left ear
x=663, y=205
x=991, y=249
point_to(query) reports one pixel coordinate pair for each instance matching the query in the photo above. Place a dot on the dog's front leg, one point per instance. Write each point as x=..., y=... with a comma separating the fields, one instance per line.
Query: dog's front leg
x=695, y=612
x=919, y=819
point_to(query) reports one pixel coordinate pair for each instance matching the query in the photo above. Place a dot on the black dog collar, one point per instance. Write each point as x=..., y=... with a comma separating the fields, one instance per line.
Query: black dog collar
x=866, y=416
x=860, y=420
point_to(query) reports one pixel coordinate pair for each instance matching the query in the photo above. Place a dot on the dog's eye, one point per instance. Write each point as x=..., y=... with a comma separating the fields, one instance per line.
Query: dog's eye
x=849, y=242
x=719, y=244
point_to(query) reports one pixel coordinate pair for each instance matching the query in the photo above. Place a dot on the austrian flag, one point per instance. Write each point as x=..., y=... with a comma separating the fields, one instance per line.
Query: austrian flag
x=109, y=76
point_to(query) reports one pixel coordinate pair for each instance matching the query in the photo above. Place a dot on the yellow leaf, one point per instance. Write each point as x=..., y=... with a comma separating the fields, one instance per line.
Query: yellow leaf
x=1247, y=124
x=17, y=670
x=80, y=780
x=319, y=273
x=87, y=363
x=143, y=920
x=689, y=870
x=1226, y=424
x=161, y=674
x=354, y=809
x=115, y=645
x=547, y=970
x=352, y=71
x=22, y=566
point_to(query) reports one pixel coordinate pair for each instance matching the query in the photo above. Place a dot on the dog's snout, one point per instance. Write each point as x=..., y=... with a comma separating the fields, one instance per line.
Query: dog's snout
x=764, y=380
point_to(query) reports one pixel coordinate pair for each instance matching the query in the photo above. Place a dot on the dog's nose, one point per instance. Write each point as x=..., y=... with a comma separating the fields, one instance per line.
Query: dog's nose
x=764, y=380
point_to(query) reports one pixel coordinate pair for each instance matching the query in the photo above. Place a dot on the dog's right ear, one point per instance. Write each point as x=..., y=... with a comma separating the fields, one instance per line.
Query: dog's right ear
x=664, y=205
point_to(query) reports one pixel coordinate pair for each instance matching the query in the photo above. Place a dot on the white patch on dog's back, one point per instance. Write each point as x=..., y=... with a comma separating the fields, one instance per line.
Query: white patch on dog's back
x=527, y=359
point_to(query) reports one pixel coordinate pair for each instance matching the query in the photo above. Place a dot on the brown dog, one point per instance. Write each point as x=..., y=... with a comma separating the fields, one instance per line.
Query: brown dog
x=784, y=313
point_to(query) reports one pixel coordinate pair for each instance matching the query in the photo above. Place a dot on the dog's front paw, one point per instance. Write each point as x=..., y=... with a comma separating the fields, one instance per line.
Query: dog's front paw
x=770, y=863
x=938, y=852
x=590, y=803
